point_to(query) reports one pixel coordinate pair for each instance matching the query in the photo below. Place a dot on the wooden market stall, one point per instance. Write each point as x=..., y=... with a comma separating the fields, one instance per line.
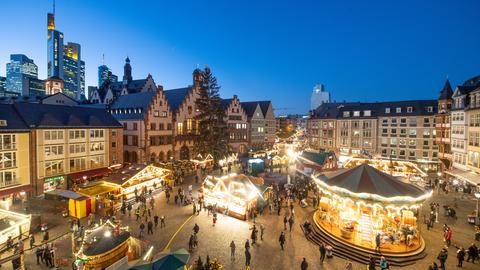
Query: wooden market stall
x=233, y=193
x=362, y=204
x=81, y=207
x=150, y=177
x=203, y=162
x=13, y=225
x=105, y=194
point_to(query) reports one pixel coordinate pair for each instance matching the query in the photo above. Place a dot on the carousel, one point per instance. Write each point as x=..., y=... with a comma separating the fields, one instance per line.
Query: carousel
x=235, y=194
x=363, y=205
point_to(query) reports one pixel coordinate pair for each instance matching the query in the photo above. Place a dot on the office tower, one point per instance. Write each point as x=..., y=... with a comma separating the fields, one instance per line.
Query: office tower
x=73, y=71
x=105, y=73
x=319, y=96
x=54, y=48
x=19, y=71
x=3, y=82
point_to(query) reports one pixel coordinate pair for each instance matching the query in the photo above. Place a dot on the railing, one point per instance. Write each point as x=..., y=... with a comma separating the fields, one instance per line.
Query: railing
x=12, y=182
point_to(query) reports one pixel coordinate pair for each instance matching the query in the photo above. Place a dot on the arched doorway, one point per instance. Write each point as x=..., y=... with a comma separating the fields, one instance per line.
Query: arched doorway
x=153, y=157
x=161, y=157
x=126, y=156
x=184, y=153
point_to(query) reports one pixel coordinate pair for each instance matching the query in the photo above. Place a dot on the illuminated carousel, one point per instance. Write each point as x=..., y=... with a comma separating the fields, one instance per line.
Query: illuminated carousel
x=363, y=205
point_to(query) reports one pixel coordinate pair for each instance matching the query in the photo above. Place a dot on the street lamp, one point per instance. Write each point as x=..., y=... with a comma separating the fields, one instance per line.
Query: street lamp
x=477, y=217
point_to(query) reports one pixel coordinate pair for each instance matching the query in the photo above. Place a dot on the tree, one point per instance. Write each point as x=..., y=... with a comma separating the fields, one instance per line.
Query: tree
x=212, y=127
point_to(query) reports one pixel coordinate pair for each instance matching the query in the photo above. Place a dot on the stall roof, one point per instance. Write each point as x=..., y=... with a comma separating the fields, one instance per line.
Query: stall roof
x=103, y=242
x=124, y=174
x=366, y=179
x=314, y=157
x=65, y=193
x=98, y=189
x=471, y=177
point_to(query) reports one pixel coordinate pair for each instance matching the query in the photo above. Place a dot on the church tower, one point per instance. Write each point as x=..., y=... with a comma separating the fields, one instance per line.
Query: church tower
x=127, y=72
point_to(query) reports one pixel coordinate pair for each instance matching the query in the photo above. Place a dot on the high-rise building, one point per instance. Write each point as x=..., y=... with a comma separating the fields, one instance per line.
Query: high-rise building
x=319, y=96
x=54, y=48
x=73, y=71
x=104, y=74
x=19, y=71
x=64, y=61
x=3, y=82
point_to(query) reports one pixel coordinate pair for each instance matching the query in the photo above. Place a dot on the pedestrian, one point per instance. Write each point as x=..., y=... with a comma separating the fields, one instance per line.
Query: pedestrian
x=162, y=222
x=348, y=265
x=281, y=239
x=155, y=220
x=248, y=257
x=39, y=253
x=285, y=221
x=196, y=228
x=214, y=219
x=32, y=240
x=442, y=257
x=129, y=208
x=460, y=256
x=304, y=265
x=472, y=253
x=137, y=213
x=232, y=250
x=190, y=242
x=290, y=222
x=142, y=228
x=433, y=266
x=150, y=227
x=323, y=251
x=262, y=230
x=378, y=242
x=253, y=236
x=371, y=264
x=194, y=205
x=384, y=263
x=447, y=236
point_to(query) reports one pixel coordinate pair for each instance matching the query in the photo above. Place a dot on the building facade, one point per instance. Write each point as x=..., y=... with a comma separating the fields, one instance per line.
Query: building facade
x=319, y=96
x=443, y=125
x=20, y=71
x=237, y=124
x=73, y=71
x=104, y=74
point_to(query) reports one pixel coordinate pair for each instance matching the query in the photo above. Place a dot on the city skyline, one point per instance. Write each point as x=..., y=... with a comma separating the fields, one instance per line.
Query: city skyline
x=252, y=52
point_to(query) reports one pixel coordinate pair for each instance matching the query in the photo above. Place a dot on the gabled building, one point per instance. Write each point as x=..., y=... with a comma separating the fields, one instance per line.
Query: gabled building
x=237, y=124
x=109, y=91
x=442, y=125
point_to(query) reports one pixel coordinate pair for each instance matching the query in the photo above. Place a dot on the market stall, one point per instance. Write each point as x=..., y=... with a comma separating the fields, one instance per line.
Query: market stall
x=149, y=178
x=203, y=162
x=255, y=166
x=363, y=203
x=81, y=207
x=234, y=193
x=103, y=246
x=106, y=196
x=13, y=225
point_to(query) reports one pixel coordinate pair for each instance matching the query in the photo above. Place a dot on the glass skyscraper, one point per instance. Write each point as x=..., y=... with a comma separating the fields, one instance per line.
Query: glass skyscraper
x=103, y=74
x=19, y=71
x=64, y=61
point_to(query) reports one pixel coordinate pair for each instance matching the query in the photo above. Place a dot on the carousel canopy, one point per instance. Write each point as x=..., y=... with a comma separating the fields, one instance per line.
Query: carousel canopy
x=366, y=179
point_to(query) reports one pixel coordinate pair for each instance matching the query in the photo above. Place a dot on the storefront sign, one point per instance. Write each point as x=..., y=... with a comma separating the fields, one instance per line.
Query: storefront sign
x=55, y=178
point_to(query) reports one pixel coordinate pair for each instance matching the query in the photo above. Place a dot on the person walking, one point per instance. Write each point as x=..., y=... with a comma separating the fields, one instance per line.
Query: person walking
x=472, y=253
x=232, y=250
x=248, y=257
x=39, y=253
x=155, y=220
x=348, y=265
x=32, y=240
x=253, y=235
x=162, y=222
x=304, y=265
x=137, y=213
x=150, y=227
x=323, y=251
x=384, y=263
x=442, y=257
x=447, y=236
x=262, y=230
x=247, y=245
x=281, y=239
x=460, y=256
x=285, y=221
x=196, y=228
x=214, y=219
x=290, y=222
x=142, y=229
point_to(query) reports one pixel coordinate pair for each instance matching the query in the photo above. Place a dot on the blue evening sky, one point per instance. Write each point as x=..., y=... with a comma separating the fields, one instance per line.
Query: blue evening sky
x=278, y=50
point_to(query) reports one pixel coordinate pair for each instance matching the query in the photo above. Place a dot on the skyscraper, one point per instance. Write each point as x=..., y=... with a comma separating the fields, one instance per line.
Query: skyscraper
x=64, y=61
x=105, y=73
x=54, y=49
x=319, y=96
x=19, y=71
x=73, y=71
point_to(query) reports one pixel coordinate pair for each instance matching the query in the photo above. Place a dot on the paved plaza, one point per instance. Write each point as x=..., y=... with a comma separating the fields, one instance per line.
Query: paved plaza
x=266, y=254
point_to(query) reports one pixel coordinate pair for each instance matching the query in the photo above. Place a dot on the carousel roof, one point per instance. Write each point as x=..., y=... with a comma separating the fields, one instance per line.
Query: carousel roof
x=366, y=179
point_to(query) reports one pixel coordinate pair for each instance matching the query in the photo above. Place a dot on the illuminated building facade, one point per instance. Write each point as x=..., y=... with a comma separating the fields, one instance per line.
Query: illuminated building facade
x=319, y=96
x=104, y=74
x=54, y=48
x=237, y=124
x=19, y=71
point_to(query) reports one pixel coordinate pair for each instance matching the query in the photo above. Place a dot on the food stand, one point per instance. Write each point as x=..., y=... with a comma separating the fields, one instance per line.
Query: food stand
x=81, y=207
x=13, y=225
x=150, y=177
x=106, y=195
x=363, y=202
x=233, y=193
x=201, y=162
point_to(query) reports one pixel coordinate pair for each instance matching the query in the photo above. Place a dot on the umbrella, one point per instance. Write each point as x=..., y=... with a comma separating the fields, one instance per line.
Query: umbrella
x=173, y=261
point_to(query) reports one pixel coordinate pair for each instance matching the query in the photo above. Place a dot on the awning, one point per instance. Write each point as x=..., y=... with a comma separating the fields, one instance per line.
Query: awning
x=15, y=189
x=76, y=177
x=471, y=177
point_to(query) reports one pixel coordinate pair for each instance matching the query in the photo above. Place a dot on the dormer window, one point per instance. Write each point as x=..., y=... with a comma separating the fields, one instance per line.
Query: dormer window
x=429, y=109
x=356, y=113
x=367, y=113
x=399, y=110
x=409, y=109
x=387, y=110
x=346, y=114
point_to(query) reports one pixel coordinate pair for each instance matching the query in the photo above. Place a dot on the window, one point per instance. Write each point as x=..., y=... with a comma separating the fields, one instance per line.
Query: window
x=97, y=133
x=426, y=133
x=425, y=154
x=7, y=142
x=153, y=126
x=429, y=109
x=164, y=114
x=411, y=153
x=403, y=120
x=78, y=164
x=53, y=167
x=7, y=178
x=135, y=126
x=399, y=110
x=412, y=143
x=412, y=132
x=156, y=113
x=367, y=113
x=53, y=150
x=8, y=160
x=425, y=143
x=97, y=161
x=189, y=125
x=260, y=130
x=161, y=126
x=189, y=108
x=393, y=141
x=77, y=148
x=387, y=110
x=409, y=109
x=76, y=134
x=96, y=146
x=169, y=126
x=51, y=135
x=114, y=133
x=346, y=114
x=356, y=113
x=180, y=128
x=125, y=126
